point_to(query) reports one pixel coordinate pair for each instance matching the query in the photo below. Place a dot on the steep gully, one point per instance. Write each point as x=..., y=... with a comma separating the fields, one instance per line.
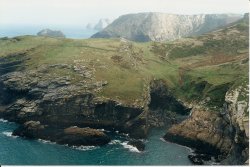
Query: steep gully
x=73, y=119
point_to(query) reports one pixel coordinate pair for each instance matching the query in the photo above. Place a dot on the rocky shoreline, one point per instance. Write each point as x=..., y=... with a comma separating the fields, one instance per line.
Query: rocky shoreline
x=222, y=135
x=55, y=109
x=209, y=133
x=73, y=136
x=45, y=107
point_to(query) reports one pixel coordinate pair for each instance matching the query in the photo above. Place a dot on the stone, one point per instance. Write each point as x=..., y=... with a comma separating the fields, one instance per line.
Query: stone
x=73, y=136
x=195, y=159
x=138, y=144
x=83, y=136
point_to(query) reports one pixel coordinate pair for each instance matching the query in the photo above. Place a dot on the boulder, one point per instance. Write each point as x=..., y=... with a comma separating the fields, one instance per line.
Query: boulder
x=195, y=159
x=83, y=136
x=73, y=136
x=30, y=129
x=138, y=144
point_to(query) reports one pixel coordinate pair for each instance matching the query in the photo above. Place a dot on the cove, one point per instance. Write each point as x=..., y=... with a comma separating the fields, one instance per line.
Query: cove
x=21, y=151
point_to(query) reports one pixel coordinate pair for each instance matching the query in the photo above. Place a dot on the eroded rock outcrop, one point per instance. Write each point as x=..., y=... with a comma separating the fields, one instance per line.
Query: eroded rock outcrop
x=73, y=136
x=223, y=133
x=138, y=144
x=164, y=108
x=203, y=130
x=35, y=96
x=237, y=108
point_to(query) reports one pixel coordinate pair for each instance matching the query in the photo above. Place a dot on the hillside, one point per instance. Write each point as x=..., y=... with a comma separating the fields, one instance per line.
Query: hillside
x=50, y=83
x=164, y=27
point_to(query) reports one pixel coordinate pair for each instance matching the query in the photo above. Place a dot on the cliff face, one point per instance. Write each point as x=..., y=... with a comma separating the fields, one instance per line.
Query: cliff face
x=103, y=23
x=223, y=132
x=203, y=130
x=237, y=107
x=163, y=27
x=58, y=103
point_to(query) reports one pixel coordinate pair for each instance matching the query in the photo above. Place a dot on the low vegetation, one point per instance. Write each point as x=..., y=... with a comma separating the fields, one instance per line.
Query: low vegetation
x=195, y=69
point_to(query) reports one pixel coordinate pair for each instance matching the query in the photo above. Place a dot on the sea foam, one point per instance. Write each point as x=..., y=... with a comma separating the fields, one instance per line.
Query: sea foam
x=46, y=141
x=9, y=134
x=3, y=120
x=131, y=148
x=112, y=142
x=84, y=148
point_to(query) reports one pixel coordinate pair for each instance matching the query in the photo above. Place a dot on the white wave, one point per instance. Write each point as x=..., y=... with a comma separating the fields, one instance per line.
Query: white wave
x=46, y=141
x=115, y=142
x=3, y=120
x=117, y=131
x=188, y=148
x=102, y=130
x=9, y=134
x=84, y=148
x=131, y=148
x=125, y=134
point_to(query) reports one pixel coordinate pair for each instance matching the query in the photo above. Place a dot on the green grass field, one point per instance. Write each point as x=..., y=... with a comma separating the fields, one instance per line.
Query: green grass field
x=219, y=59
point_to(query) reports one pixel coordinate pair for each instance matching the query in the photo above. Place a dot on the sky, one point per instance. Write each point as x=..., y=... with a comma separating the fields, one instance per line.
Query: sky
x=81, y=12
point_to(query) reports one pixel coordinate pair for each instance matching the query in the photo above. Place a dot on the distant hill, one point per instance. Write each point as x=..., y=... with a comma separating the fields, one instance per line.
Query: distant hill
x=102, y=23
x=164, y=27
x=51, y=33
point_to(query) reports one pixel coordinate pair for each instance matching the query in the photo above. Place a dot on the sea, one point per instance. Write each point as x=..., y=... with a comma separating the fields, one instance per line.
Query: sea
x=21, y=151
x=74, y=32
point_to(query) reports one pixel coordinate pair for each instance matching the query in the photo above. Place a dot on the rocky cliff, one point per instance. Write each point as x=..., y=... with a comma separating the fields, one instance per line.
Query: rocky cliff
x=46, y=107
x=66, y=90
x=219, y=118
x=224, y=132
x=164, y=27
x=103, y=23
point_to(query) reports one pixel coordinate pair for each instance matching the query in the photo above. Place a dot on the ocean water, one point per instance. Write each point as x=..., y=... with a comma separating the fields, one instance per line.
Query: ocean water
x=20, y=151
x=74, y=32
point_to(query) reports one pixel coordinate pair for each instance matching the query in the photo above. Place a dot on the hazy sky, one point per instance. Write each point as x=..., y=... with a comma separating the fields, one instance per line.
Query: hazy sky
x=81, y=12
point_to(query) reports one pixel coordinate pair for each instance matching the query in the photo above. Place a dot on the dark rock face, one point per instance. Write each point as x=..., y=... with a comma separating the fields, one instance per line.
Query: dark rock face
x=73, y=136
x=138, y=144
x=51, y=33
x=165, y=110
x=198, y=159
x=33, y=95
x=51, y=101
x=82, y=136
x=30, y=129
x=203, y=130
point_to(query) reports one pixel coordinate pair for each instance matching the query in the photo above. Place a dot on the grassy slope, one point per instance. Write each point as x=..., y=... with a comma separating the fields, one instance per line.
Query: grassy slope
x=185, y=64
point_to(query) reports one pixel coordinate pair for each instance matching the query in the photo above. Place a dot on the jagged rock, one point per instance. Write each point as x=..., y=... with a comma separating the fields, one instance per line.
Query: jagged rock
x=83, y=136
x=237, y=108
x=199, y=159
x=30, y=129
x=102, y=24
x=203, y=130
x=138, y=144
x=195, y=159
x=73, y=136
